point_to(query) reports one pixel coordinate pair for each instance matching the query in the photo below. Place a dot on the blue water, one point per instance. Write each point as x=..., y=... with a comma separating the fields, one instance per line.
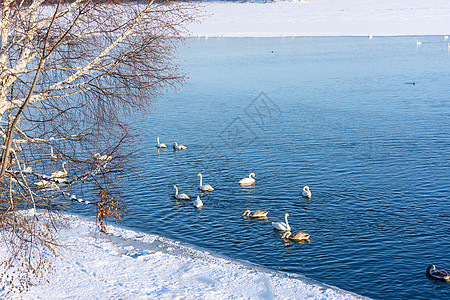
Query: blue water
x=338, y=114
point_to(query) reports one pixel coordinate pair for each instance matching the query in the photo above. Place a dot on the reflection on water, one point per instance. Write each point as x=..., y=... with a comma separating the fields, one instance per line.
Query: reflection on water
x=336, y=116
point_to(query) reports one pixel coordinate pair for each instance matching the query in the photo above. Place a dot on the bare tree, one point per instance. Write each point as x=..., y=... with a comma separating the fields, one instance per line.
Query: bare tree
x=71, y=73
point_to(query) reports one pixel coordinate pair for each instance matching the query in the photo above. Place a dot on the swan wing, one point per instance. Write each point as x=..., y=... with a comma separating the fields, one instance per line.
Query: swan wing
x=206, y=188
x=280, y=226
x=260, y=213
x=247, y=181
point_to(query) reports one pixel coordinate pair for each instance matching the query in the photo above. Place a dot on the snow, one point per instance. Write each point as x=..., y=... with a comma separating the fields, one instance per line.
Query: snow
x=325, y=18
x=131, y=265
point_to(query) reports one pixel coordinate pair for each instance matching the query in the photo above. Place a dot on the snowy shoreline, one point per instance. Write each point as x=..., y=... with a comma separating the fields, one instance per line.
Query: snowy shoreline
x=324, y=18
x=134, y=265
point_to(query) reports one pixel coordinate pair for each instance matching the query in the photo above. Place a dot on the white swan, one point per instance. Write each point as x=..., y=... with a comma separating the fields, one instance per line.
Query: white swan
x=160, y=145
x=178, y=147
x=204, y=187
x=248, y=180
x=255, y=214
x=445, y=37
x=198, y=202
x=282, y=226
x=296, y=237
x=418, y=43
x=180, y=196
x=52, y=155
x=103, y=158
x=28, y=169
x=306, y=192
x=43, y=183
x=59, y=174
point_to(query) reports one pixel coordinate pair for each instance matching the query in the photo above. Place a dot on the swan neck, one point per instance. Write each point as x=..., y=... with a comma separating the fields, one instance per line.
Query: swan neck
x=63, y=167
x=200, y=179
x=157, y=139
x=176, y=190
x=287, y=223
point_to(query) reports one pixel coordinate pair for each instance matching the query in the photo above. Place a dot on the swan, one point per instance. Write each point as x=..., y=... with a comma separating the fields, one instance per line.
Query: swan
x=52, y=155
x=28, y=169
x=206, y=187
x=103, y=158
x=60, y=173
x=256, y=214
x=178, y=147
x=198, y=202
x=248, y=180
x=43, y=183
x=180, y=196
x=160, y=145
x=418, y=43
x=445, y=37
x=282, y=226
x=306, y=192
x=296, y=237
x=437, y=274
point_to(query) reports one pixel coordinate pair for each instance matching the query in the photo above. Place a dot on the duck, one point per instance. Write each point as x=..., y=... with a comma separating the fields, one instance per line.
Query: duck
x=102, y=158
x=180, y=196
x=255, y=214
x=198, y=202
x=248, y=180
x=282, y=226
x=59, y=174
x=437, y=274
x=158, y=145
x=306, y=192
x=204, y=187
x=178, y=147
x=299, y=236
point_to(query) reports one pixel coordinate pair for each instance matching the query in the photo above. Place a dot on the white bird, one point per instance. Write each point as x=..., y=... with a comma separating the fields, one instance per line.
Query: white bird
x=248, y=180
x=418, y=43
x=296, y=237
x=204, y=187
x=103, y=158
x=370, y=36
x=255, y=214
x=28, y=169
x=198, y=202
x=160, y=145
x=180, y=196
x=306, y=192
x=445, y=37
x=42, y=183
x=60, y=173
x=178, y=147
x=282, y=226
x=52, y=155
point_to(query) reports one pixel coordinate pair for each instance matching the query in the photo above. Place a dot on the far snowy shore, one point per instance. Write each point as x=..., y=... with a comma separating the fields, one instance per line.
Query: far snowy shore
x=325, y=18
x=131, y=265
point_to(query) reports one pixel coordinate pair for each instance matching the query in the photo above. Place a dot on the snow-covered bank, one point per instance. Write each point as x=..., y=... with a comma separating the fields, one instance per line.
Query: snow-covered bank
x=132, y=265
x=325, y=18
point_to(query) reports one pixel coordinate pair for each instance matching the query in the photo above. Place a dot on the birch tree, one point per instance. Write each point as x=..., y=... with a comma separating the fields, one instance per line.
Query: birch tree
x=71, y=75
